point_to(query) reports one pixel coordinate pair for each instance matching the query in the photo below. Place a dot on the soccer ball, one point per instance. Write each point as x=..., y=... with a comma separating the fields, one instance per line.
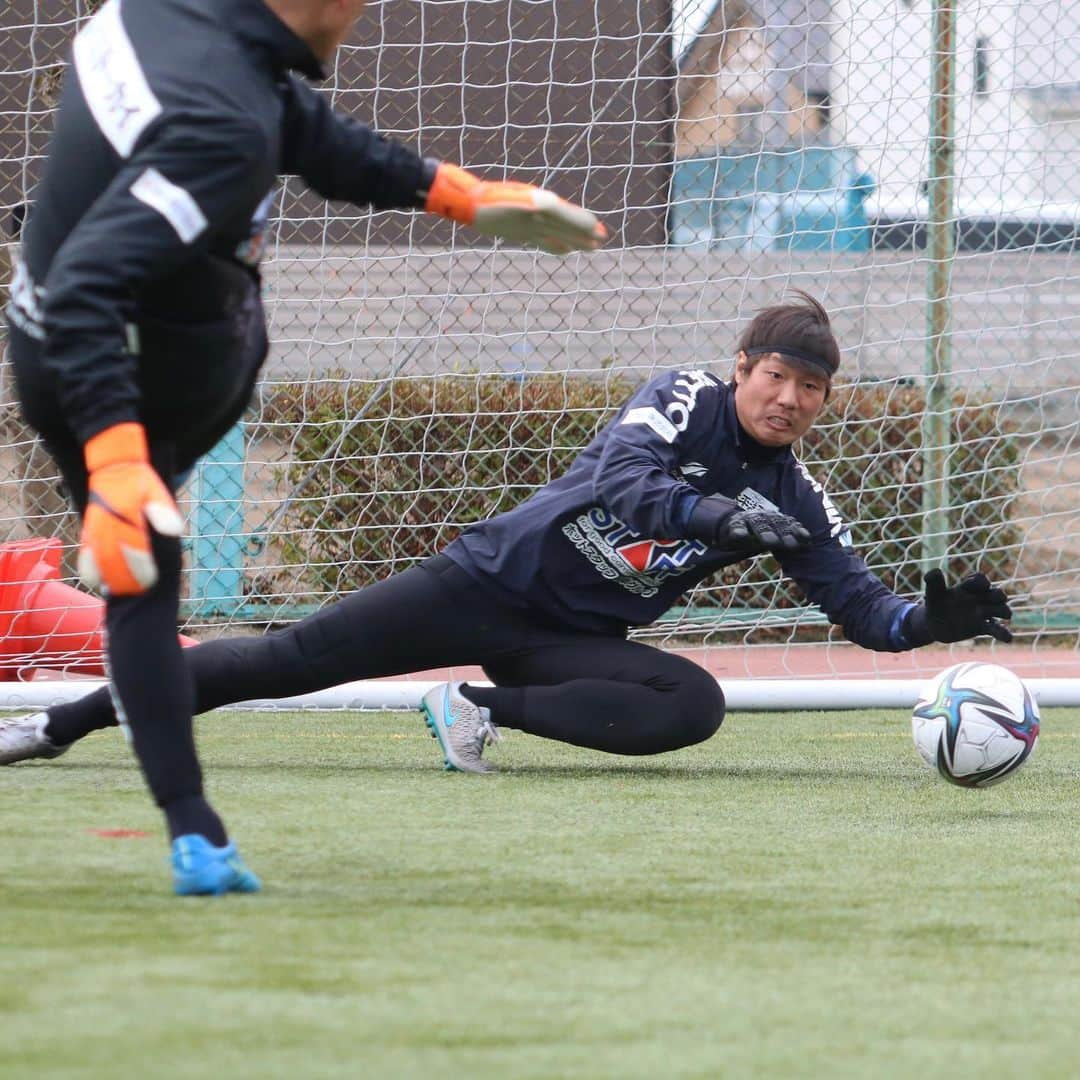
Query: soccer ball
x=976, y=724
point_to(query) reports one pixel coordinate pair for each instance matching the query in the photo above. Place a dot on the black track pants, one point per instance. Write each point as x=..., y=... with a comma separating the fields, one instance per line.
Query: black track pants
x=587, y=689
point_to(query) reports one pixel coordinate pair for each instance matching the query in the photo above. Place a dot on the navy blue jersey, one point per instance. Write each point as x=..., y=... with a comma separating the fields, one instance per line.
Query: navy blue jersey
x=605, y=546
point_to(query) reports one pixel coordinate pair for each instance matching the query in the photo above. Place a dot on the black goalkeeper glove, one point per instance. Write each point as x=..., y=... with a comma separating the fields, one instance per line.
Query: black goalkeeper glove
x=957, y=614
x=719, y=521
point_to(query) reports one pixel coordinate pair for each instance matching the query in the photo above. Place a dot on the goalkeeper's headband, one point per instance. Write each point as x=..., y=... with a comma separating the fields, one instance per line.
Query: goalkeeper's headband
x=795, y=354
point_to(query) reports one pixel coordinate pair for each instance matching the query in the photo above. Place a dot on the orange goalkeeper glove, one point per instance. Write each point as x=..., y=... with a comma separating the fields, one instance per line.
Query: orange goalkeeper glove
x=514, y=211
x=125, y=496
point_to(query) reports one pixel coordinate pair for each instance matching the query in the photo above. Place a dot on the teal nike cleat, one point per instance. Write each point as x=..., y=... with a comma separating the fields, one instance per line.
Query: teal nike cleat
x=462, y=728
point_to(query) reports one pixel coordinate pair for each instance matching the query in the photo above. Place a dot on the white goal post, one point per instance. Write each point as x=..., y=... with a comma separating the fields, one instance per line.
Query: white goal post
x=913, y=163
x=740, y=695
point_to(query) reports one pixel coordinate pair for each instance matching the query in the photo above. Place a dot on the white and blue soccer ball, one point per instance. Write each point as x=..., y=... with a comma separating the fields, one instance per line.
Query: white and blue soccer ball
x=976, y=724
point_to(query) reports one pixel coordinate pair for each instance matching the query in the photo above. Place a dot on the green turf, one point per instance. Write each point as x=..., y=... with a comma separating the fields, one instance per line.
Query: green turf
x=797, y=897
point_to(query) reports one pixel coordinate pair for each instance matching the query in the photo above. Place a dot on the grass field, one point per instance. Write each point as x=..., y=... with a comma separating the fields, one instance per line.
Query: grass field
x=797, y=897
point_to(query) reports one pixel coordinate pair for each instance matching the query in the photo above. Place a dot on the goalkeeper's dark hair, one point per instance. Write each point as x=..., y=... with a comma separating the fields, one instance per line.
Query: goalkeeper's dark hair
x=800, y=332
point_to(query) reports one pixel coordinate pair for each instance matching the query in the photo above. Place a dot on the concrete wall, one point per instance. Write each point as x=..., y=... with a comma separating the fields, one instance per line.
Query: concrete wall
x=1016, y=315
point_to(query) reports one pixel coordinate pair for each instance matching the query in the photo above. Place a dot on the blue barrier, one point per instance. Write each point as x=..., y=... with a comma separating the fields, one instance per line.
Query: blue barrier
x=217, y=533
x=799, y=199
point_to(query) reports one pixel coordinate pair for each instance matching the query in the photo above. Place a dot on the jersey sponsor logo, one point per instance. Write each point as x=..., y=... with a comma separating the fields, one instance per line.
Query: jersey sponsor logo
x=635, y=562
x=645, y=556
x=685, y=392
x=250, y=251
x=652, y=418
x=25, y=302
x=837, y=526
x=172, y=202
x=112, y=80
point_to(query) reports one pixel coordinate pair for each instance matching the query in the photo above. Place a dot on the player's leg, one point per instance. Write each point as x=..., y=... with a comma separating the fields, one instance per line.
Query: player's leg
x=405, y=623
x=594, y=691
x=152, y=690
x=408, y=622
x=605, y=694
x=153, y=694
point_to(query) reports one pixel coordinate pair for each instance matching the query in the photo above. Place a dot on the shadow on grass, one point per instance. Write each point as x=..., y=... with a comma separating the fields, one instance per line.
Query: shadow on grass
x=616, y=768
x=719, y=771
x=255, y=767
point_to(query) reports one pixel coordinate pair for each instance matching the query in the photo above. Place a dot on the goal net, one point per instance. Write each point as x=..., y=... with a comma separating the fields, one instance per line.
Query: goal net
x=914, y=165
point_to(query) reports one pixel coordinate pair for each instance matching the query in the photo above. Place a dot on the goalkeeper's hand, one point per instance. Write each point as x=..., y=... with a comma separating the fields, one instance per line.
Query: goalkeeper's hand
x=514, y=211
x=718, y=520
x=754, y=531
x=958, y=613
x=125, y=497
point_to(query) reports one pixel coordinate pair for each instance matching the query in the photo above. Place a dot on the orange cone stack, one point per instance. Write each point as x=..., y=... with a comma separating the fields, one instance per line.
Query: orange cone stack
x=43, y=622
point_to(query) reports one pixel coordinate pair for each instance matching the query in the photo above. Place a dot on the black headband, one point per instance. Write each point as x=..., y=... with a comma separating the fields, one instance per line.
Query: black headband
x=797, y=354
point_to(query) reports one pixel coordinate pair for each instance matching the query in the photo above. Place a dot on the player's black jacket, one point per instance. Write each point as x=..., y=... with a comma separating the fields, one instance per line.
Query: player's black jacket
x=176, y=120
x=605, y=546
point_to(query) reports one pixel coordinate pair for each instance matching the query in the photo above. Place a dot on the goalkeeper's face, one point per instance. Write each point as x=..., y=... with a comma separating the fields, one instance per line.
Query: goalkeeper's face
x=775, y=402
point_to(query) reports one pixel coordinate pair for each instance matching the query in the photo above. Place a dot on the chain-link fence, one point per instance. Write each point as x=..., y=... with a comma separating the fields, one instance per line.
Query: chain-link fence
x=915, y=165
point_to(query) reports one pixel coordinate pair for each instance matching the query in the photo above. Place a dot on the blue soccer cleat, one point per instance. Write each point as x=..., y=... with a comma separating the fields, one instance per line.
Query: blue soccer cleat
x=200, y=869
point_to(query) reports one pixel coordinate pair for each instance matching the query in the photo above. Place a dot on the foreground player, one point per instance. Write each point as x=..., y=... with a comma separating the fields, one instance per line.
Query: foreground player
x=542, y=596
x=136, y=326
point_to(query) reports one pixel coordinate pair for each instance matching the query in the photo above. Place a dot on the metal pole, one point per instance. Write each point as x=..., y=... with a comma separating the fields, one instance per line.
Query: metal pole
x=936, y=426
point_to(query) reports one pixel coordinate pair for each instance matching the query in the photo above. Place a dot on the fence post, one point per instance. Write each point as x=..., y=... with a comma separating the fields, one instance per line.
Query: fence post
x=940, y=244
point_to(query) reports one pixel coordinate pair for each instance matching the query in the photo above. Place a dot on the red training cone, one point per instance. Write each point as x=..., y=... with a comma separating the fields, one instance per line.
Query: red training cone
x=43, y=622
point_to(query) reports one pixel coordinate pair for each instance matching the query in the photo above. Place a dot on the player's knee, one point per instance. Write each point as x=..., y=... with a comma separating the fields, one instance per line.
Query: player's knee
x=701, y=709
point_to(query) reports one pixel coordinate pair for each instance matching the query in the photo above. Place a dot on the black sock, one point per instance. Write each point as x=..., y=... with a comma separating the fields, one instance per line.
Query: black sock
x=505, y=702
x=193, y=814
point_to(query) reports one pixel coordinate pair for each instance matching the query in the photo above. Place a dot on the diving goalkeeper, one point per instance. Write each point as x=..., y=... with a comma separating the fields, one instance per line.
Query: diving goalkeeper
x=692, y=474
x=136, y=326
